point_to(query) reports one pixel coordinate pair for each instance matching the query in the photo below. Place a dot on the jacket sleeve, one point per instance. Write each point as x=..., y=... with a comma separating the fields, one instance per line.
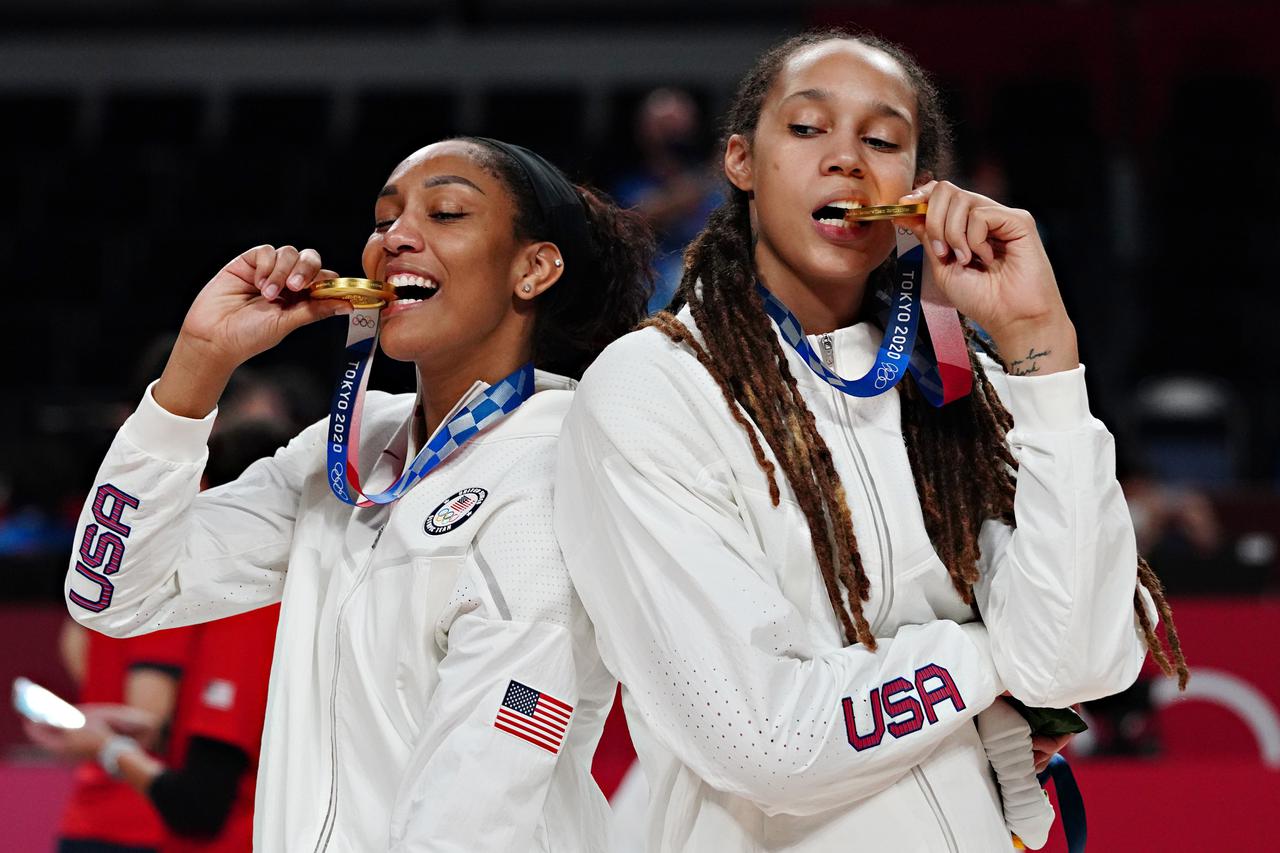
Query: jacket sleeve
x=513, y=632
x=690, y=618
x=153, y=552
x=1056, y=593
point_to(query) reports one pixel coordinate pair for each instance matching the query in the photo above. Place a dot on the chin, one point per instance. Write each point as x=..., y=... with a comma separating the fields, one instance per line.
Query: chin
x=402, y=345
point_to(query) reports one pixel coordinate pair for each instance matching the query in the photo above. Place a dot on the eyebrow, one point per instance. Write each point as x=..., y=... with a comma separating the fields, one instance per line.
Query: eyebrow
x=879, y=107
x=434, y=181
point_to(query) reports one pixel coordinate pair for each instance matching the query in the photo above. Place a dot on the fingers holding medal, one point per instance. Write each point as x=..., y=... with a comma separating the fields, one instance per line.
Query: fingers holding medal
x=987, y=258
x=279, y=271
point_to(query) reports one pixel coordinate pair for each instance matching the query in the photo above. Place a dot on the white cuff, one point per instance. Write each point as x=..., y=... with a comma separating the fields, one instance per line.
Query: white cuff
x=160, y=433
x=1057, y=402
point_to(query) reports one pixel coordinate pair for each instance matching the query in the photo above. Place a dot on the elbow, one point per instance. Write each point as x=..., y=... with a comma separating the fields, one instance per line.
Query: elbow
x=1080, y=677
x=95, y=617
x=774, y=777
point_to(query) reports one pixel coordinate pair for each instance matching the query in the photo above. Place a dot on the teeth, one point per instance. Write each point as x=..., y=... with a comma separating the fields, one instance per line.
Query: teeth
x=845, y=205
x=408, y=279
x=839, y=222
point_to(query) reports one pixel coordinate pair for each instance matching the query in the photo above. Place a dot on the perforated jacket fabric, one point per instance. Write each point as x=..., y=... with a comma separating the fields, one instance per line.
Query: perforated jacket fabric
x=401, y=630
x=757, y=729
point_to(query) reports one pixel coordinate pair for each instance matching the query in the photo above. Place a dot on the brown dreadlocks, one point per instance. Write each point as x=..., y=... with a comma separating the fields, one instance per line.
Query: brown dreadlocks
x=718, y=286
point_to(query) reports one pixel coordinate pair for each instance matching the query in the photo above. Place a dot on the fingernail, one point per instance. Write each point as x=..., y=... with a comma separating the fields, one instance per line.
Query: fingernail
x=294, y=282
x=270, y=291
x=939, y=248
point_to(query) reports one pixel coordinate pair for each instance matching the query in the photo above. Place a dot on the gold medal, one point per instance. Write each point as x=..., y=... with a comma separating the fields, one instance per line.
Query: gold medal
x=360, y=292
x=885, y=211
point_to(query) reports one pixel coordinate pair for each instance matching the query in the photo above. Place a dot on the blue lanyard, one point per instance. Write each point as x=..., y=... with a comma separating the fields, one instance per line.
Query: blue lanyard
x=904, y=347
x=496, y=402
x=1070, y=802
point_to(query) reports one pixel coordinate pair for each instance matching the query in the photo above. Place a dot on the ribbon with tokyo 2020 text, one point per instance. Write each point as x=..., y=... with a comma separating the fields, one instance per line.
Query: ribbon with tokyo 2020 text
x=492, y=405
x=937, y=355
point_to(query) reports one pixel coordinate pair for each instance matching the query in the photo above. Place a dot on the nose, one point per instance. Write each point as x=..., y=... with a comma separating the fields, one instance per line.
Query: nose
x=402, y=237
x=844, y=158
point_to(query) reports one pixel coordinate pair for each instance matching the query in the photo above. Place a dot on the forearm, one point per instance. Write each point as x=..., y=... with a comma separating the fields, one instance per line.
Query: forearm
x=1056, y=592
x=195, y=799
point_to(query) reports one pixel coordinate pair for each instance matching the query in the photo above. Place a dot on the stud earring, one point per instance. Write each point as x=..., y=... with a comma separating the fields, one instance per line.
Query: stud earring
x=559, y=262
x=527, y=288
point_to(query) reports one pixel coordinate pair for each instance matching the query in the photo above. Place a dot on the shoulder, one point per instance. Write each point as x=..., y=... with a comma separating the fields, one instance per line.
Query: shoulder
x=646, y=371
x=649, y=399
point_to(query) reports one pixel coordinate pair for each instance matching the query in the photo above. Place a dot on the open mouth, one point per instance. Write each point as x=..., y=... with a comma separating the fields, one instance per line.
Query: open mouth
x=833, y=213
x=412, y=288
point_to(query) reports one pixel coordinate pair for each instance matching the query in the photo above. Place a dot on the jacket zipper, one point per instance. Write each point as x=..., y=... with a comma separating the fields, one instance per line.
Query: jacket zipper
x=925, y=788
x=331, y=812
x=878, y=517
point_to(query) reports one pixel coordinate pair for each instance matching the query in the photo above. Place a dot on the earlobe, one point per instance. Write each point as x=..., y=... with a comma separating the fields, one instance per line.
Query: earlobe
x=737, y=163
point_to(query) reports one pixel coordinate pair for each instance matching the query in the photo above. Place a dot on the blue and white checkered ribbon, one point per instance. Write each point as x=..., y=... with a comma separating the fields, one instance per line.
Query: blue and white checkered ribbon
x=493, y=404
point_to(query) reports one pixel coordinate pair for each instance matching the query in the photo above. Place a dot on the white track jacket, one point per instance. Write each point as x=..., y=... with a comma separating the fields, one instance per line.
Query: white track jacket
x=757, y=729
x=403, y=629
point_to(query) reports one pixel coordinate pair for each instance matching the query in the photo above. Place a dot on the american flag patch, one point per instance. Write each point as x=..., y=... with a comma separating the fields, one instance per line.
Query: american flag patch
x=536, y=717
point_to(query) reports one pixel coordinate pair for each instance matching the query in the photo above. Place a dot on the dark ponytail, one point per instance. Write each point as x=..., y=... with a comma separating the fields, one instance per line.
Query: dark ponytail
x=598, y=298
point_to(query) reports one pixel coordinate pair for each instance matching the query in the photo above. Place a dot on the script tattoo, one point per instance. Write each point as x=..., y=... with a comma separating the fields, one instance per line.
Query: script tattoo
x=1028, y=364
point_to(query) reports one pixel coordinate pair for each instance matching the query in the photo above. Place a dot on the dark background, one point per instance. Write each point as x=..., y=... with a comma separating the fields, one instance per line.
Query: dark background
x=145, y=144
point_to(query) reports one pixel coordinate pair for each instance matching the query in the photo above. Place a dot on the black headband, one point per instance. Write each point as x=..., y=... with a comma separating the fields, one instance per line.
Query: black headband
x=558, y=201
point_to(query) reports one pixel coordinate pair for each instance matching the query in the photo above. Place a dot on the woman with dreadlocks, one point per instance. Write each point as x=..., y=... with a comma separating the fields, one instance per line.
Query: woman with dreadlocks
x=808, y=597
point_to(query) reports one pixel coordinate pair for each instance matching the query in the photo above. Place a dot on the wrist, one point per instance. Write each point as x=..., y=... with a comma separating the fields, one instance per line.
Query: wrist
x=193, y=379
x=1037, y=348
x=112, y=750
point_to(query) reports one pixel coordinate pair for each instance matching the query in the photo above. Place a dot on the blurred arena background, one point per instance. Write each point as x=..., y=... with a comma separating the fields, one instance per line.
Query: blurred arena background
x=146, y=142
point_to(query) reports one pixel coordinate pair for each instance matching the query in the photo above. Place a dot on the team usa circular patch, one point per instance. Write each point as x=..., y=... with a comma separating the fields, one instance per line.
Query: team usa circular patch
x=454, y=511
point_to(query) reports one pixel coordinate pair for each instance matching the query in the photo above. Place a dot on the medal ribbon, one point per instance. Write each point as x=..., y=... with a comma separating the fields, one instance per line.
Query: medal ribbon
x=938, y=357
x=495, y=403
x=1070, y=802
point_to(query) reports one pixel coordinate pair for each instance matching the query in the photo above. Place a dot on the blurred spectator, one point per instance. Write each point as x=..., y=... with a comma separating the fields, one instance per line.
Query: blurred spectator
x=1167, y=517
x=140, y=674
x=38, y=489
x=675, y=185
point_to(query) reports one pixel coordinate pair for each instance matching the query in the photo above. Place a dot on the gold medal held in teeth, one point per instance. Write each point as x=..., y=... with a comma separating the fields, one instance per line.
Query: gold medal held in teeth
x=885, y=211
x=360, y=292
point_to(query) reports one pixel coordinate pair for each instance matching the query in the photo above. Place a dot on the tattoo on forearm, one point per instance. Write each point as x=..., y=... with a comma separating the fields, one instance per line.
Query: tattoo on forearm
x=1028, y=364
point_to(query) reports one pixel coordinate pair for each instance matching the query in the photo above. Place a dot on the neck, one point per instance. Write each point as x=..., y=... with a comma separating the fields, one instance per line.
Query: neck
x=442, y=382
x=819, y=306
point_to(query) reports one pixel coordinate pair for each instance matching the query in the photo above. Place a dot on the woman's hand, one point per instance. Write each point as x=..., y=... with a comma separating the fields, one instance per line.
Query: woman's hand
x=988, y=260
x=255, y=301
x=82, y=744
x=247, y=308
x=1045, y=747
x=102, y=721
